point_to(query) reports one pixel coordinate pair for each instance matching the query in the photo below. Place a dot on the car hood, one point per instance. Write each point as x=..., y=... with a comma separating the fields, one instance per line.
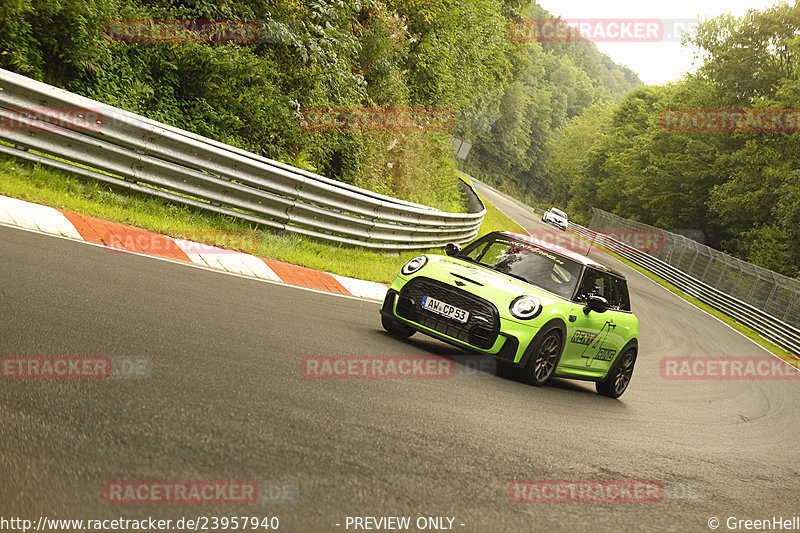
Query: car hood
x=482, y=281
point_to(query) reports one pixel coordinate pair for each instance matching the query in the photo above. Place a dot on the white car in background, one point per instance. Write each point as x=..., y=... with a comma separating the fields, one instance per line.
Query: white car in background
x=556, y=217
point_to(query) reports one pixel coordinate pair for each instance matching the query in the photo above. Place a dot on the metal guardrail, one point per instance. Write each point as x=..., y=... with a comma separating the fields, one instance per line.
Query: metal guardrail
x=773, y=293
x=132, y=152
x=782, y=334
x=771, y=327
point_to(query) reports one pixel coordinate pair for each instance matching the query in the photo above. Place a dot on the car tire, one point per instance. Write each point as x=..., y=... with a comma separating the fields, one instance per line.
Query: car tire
x=544, y=358
x=619, y=376
x=395, y=328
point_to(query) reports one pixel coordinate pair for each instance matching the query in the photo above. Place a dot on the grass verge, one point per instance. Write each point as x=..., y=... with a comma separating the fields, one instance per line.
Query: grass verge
x=44, y=185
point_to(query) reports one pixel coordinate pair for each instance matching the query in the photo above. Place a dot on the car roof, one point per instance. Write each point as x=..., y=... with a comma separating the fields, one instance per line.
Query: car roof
x=578, y=258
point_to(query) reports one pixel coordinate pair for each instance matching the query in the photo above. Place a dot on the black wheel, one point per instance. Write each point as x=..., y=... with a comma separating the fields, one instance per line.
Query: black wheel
x=395, y=328
x=619, y=376
x=544, y=359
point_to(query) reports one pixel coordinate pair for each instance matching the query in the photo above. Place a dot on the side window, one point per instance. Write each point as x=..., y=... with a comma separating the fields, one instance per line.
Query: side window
x=494, y=253
x=595, y=282
x=603, y=284
x=585, y=288
x=619, y=295
x=476, y=252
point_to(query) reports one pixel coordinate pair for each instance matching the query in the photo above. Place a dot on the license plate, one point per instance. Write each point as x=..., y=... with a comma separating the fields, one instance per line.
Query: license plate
x=441, y=308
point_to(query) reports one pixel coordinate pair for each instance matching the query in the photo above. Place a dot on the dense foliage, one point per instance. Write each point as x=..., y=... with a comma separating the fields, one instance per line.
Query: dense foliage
x=741, y=189
x=328, y=53
x=549, y=84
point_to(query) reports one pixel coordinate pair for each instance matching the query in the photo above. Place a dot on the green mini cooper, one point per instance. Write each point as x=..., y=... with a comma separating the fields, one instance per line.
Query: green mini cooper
x=546, y=311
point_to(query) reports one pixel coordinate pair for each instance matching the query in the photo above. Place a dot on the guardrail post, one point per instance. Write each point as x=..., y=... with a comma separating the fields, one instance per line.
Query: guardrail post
x=691, y=265
x=736, y=283
x=771, y=294
x=789, y=307
x=722, y=274
x=708, y=267
x=753, y=288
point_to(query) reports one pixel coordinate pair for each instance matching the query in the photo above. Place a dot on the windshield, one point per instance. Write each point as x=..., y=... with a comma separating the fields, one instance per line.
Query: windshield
x=533, y=264
x=556, y=212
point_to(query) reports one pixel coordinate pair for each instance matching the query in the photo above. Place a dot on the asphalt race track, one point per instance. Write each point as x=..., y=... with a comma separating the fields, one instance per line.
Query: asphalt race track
x=224, y=399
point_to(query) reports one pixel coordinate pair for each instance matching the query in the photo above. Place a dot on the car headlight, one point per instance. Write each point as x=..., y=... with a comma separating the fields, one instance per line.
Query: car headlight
x=525, y=307
x=414, y=265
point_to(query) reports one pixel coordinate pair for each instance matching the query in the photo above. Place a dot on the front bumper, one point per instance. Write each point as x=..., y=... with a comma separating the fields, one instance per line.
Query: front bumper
x=505, y=340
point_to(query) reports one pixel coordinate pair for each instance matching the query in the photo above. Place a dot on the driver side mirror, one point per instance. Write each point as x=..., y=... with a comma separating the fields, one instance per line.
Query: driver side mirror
x=595, y=303
x=452, y=249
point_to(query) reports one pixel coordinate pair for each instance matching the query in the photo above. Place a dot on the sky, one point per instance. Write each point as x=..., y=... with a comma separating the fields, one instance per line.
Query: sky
x=656, y=63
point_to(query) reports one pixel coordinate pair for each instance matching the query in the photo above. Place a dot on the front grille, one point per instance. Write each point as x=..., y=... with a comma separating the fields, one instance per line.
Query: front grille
x=480, y=329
